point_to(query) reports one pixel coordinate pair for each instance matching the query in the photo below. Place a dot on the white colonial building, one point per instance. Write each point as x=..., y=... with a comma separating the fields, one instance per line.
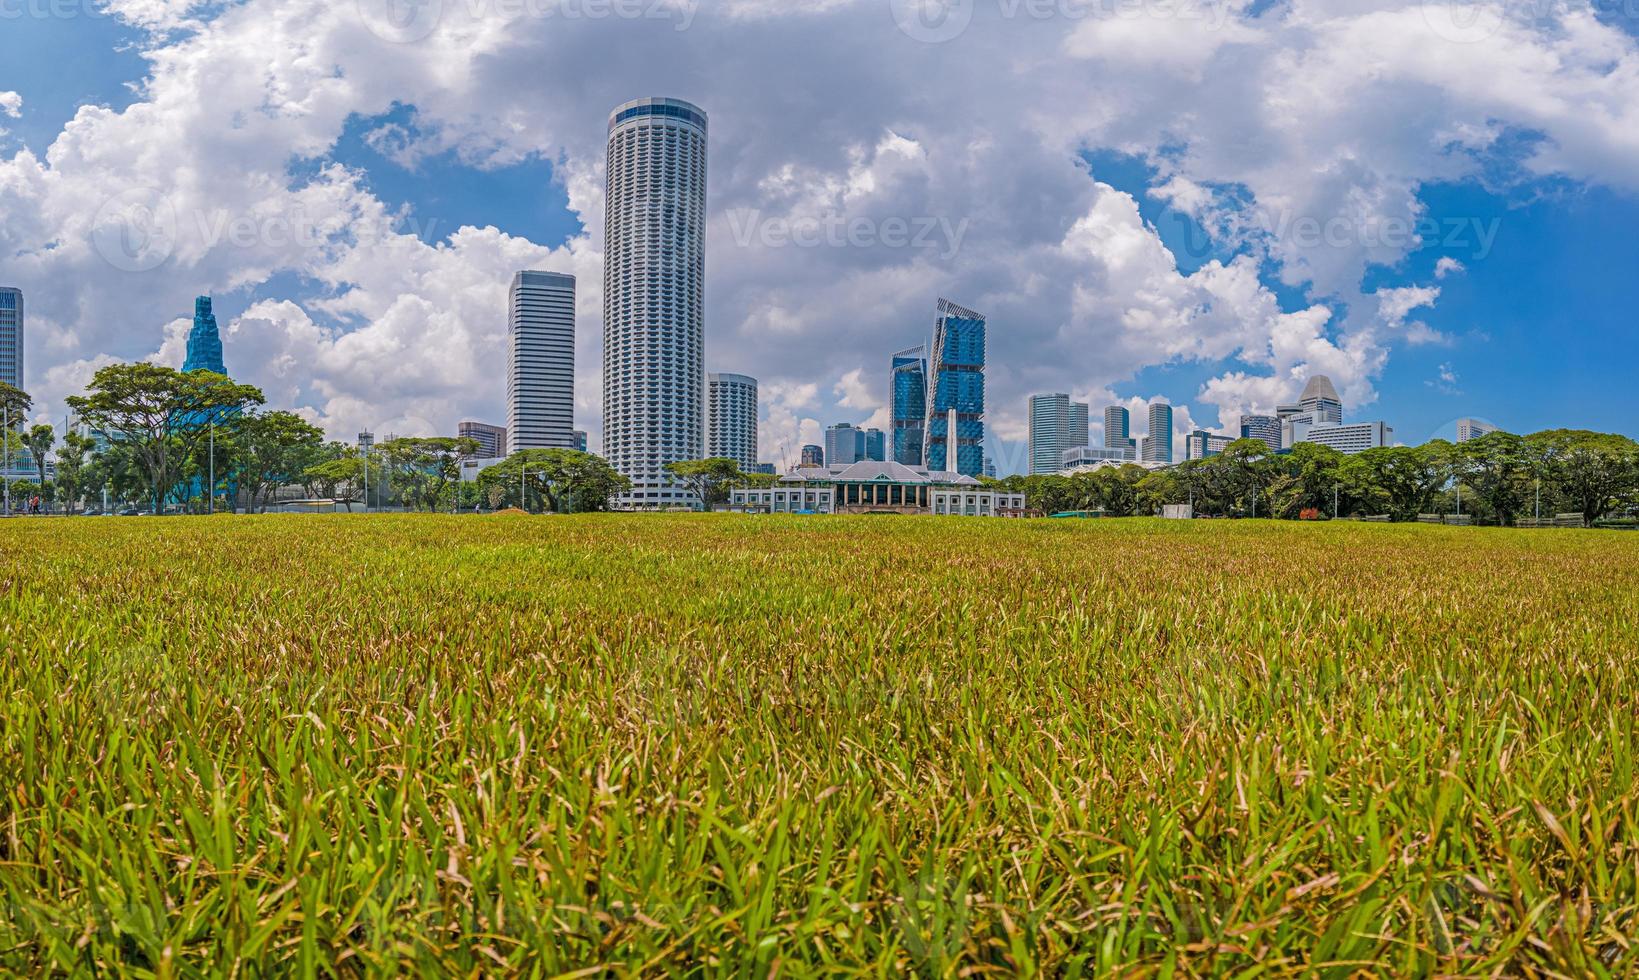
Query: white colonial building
x=878, y=487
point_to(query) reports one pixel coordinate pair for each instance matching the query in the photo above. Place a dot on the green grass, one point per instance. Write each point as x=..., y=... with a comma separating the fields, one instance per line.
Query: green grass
x=746, y=746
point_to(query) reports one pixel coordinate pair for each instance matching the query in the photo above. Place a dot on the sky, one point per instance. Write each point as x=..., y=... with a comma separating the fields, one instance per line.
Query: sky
x=1206, y=201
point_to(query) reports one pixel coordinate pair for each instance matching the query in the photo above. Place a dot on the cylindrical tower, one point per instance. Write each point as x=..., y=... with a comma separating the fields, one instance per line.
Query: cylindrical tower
x=654, y=265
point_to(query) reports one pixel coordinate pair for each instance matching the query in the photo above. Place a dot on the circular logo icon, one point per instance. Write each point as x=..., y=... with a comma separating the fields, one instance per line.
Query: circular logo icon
x=401, y=21
x=135, y=230
x=1464, y=21
x=933, y=21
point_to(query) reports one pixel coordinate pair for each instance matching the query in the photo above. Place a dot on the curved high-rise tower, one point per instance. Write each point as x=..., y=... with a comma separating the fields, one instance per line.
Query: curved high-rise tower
x=654, y=265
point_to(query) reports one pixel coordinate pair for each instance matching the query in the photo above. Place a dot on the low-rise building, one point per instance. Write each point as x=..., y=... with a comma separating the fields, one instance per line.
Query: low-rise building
x=1096, y=456
x=878, y=487
x=1349, y=439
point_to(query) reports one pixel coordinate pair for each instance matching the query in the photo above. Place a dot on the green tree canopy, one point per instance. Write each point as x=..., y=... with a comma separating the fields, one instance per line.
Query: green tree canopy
x=566, y=480
x=274, y=449
x=426, y=469
x=710, y=480
x=155, y=414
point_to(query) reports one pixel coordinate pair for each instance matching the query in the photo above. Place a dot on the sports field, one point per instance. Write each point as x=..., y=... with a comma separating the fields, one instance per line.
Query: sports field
x=740, y=746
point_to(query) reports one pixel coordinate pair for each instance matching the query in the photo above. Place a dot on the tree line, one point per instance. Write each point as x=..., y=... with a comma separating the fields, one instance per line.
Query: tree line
x=199, y=442
x=1498, y=478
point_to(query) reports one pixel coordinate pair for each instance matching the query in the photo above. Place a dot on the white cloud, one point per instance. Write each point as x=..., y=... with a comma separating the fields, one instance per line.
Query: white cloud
x=11, y=104
x=1299, y=137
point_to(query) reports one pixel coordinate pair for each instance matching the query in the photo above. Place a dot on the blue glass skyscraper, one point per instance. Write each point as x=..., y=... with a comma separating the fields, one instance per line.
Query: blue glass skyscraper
x=908, y=396
x=204, y=343
x=956, y=363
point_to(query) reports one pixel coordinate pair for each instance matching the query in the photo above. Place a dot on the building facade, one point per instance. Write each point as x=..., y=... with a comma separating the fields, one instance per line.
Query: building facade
x=1158, y=446
x=1470, y=429
x=879, y=487
x=731, y=419
x=908, y=404
x=954, y=429
x=813, y=456
x=1349, y=439
x=491, y=439
x=204, y=340
x=1205, y=445
x=580, y=440
x=844, y=444
x=540, y=391
x=1057, y=424
x=11, y=336
x=654, y=284
x=1097, y=457
x=1118, y=428
x=1265, y=428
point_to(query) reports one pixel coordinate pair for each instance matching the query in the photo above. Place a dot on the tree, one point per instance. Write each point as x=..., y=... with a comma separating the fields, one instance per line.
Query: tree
x=708, y=479
x=14, y=405
x=341, y=478
x=1398, y=481
x=1499, y=470
x=72, y=471
x=275, y=448
x=155, y=414
x=427, y=468
x=1310, y=477
x=39, y=441
x=567, y=480
x=1589, y=471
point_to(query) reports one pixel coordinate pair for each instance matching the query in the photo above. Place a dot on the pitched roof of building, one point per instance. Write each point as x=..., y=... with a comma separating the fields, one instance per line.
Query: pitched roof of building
x=1320, y=387
x=872, y=471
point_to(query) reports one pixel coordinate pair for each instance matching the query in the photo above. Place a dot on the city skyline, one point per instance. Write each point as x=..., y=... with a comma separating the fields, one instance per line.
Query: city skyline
x=1131, y=254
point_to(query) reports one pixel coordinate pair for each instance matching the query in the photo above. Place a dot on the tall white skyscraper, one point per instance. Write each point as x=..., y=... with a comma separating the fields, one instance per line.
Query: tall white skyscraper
x=654, y=286
x=1158, y=447
x=731, y=419
x=11, y=336
x=541, y=361
x=1056, y=424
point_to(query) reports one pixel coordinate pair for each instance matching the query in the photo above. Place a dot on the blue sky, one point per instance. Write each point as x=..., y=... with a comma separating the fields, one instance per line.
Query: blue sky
x=439, y=164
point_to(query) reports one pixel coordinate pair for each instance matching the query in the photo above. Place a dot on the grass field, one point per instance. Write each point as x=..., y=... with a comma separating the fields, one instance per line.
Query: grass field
x=742, y=746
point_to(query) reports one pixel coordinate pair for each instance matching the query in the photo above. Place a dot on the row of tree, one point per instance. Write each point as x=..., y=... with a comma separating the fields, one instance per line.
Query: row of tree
x=199, y=441
x=1498, y=478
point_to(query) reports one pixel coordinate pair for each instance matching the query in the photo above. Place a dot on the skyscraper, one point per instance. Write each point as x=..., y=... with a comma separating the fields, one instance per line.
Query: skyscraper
x=1056, y=424
x=1158, y=447
x=1118, y=428
x=956, y=395
x=204, y=342
x=813, y=456
x=540, y=389
x=1321, y=400
x=654, y=271
x=731, y=419
x=908, y=397
x=1263, y=427
x=844, y=443
x=876, y=446
x=11, y=336
x=491, y=439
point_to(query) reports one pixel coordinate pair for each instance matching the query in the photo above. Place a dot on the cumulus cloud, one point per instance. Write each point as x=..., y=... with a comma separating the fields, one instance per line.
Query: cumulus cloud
x=1298, y=134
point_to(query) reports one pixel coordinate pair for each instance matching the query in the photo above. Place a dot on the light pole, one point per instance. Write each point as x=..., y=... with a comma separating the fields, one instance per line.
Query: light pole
x=523, y=499
x=5, y=461
x=212, y=491
x=366, y=454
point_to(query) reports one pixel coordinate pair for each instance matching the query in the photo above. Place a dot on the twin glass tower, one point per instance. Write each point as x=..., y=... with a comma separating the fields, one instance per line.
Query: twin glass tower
x=654, y=284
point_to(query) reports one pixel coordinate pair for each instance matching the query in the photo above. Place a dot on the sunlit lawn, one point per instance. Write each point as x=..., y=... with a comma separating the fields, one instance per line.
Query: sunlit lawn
x=735, y=745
